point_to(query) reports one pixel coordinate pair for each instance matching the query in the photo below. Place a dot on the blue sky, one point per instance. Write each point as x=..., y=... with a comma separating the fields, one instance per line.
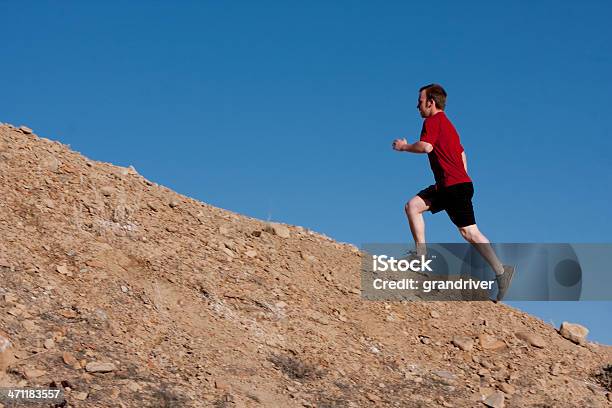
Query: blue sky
x=286, y=111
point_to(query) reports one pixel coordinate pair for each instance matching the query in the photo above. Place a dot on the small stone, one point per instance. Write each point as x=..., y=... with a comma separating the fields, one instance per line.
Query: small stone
x=81, y=396
x=574, y=332
x=33, y=373
x=446, y=377
x=63, y=269
x=107, y=191
x=50, y=163
x=68, y=313
x=29, y=325
x=134, y=386
x=49, y=344
x=69, y=359
x=251, y=253
x=495, y=400
x=373, y=397
x=6, y=353
x=531, y=338
x=49, y=203
x=507, y=388
x=174, y=203
x=278, y=229
x=10, y=298
x=555, y=369
x=488, y=342
x=307, y=257
x=435, y=314
x=152, y=206
x=222, y=385
x=124, y=289
x=464, y=343
x=25, y=130
x=424, y=339
x=97, y=367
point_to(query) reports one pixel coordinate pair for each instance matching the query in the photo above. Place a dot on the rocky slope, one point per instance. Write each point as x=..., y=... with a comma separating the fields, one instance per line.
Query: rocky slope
x=126, y=294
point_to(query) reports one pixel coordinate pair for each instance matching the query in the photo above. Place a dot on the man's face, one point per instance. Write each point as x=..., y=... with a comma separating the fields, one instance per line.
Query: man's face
x=423, y=105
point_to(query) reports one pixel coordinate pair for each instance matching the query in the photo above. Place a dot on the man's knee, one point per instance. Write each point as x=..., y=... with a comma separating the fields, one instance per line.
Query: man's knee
x=415, y=206
x=469, y=233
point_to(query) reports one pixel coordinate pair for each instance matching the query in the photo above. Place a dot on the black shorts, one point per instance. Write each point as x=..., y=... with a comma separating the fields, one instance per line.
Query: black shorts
x=455, y=199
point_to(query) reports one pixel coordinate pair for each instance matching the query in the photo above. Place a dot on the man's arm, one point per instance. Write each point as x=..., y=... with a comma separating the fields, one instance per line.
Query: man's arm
x=464, y=160
x=419, y=147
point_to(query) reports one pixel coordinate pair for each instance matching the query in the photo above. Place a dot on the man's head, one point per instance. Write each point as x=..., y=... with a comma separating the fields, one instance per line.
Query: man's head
x=432, y=99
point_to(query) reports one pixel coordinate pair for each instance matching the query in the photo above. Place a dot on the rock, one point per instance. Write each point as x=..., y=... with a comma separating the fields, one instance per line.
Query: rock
x=224, y=230
x=97, y=367
x=495, y=400
x=49, y=203
x=29, y=325
x=49, y=344
x=174, y=203
x=222, y=385
x=555, y=369
x=488, y=342
x=107, y=191
x=6, y=354
x=278, y=229
x=10, y=298
x=435, y=314
x=307, y=257
x=69, y=359
x=134, y=386
x=373, y=397
x=26, y=130
x=507, y=388
x=251, y=253
x=128, y=170
x=81, y=396
x=464, y=343
x=68, y=313
x=531, y=338
x=63, y=269
x=574, y=332
x=445, y=377
x=31, y=373
x=424, y=339
x=50, y=163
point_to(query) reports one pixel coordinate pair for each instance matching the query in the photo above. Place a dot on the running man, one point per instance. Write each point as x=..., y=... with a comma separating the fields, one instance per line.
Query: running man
x=453, y=190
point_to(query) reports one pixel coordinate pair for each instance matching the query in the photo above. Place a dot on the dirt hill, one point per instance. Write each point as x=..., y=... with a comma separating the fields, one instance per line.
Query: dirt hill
x=126, y=294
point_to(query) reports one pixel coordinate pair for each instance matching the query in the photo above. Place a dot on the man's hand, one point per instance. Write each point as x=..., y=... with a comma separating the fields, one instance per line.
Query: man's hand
x=400, y=145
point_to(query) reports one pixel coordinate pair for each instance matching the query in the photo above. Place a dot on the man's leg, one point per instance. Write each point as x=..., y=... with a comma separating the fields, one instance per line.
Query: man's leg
x=414, y=211
x=472, y=234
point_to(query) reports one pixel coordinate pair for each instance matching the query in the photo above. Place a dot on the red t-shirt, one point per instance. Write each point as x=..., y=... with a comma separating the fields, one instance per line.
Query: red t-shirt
x=445, y=158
